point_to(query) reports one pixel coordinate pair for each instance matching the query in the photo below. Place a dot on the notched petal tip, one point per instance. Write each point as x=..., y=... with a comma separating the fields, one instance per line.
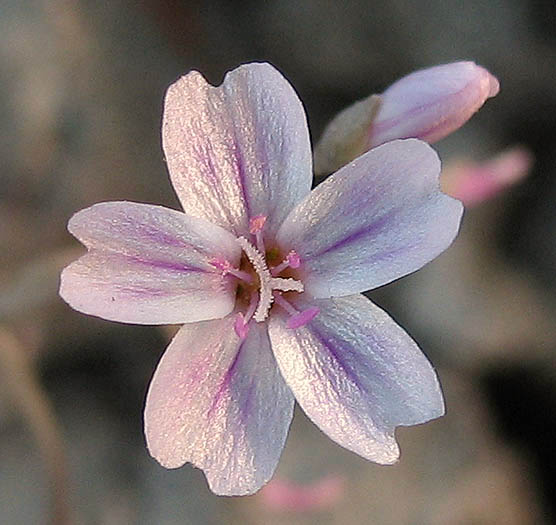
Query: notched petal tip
x=357, y=375
x=230, y=147
x=377, y=219
x=208, y=404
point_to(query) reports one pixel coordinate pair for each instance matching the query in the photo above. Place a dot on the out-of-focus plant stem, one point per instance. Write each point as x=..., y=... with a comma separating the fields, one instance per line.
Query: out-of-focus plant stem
x=30, y=399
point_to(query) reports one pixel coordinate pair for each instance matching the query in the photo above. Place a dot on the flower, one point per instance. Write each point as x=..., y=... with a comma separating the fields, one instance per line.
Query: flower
x=474, y=182
x=428, y=104
x=282, y=495
x=267, y=276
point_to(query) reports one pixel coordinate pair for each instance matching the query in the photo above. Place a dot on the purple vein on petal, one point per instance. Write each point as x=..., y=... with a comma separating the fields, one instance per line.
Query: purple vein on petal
x=356, y=235
x=165, y=265
x=206, y=157
x=226, y=380
x=160, y=237
x=143, y=291
x=362, y=365
x=240, y=169
x=336, y=354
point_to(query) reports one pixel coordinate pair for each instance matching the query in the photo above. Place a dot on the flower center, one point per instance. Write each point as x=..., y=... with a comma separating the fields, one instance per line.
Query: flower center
x=261, y=286
x=267, y=283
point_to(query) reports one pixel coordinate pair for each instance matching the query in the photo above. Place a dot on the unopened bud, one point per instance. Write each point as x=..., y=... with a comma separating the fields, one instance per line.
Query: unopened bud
x=428, y=104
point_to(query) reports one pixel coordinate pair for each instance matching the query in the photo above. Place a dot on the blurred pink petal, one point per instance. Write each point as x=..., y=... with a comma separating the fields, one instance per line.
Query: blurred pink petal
x=475, y=182
x=288, y=496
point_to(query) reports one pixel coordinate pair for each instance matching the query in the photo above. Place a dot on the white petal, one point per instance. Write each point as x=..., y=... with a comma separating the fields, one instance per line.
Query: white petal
x=220, y=404
x=148, y=265
x=238, y=150
x=356, y=374
x=377, y=219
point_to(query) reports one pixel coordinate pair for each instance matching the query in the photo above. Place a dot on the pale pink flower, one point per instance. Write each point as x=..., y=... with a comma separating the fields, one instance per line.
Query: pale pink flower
x=267, y=277
x=427, y=104
x=475, y=182
x=286, y=496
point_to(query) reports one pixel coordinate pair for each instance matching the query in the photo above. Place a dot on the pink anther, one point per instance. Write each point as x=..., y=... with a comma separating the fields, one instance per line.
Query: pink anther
x=226, y=268
x=221, y=264
x=241, y=328
x=293, y=259
x=256, y=224
x=302, y=318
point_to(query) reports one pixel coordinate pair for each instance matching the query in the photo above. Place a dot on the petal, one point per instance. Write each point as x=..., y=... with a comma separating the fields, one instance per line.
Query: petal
x=221, y=404
x=432, y=103
x=148, y=265
x=356, y=374
x=377, y=219
x=238, y=150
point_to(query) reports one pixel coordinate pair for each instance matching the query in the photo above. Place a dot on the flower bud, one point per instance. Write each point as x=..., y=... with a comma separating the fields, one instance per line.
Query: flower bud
x=427, y=104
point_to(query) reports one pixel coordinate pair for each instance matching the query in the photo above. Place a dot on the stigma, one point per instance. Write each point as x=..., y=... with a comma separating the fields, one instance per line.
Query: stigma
x=267, y=283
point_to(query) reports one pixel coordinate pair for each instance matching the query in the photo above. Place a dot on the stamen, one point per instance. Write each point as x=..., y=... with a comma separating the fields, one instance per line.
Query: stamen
x=256, y=225
x=302, y=318
x=241, y=328
x=292, y=260
x=285, y=304
x=252, y=306
x=227, y=268
x=241, y=324
x=297, y=319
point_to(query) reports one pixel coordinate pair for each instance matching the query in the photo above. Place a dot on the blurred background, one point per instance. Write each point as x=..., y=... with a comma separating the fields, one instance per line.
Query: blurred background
x=80, y=108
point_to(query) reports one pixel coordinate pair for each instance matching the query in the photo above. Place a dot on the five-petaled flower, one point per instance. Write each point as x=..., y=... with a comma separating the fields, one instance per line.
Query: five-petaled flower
x=267, y=276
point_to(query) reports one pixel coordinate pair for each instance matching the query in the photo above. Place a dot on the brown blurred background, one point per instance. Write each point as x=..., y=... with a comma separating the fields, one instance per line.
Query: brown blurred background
x=80, y=107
